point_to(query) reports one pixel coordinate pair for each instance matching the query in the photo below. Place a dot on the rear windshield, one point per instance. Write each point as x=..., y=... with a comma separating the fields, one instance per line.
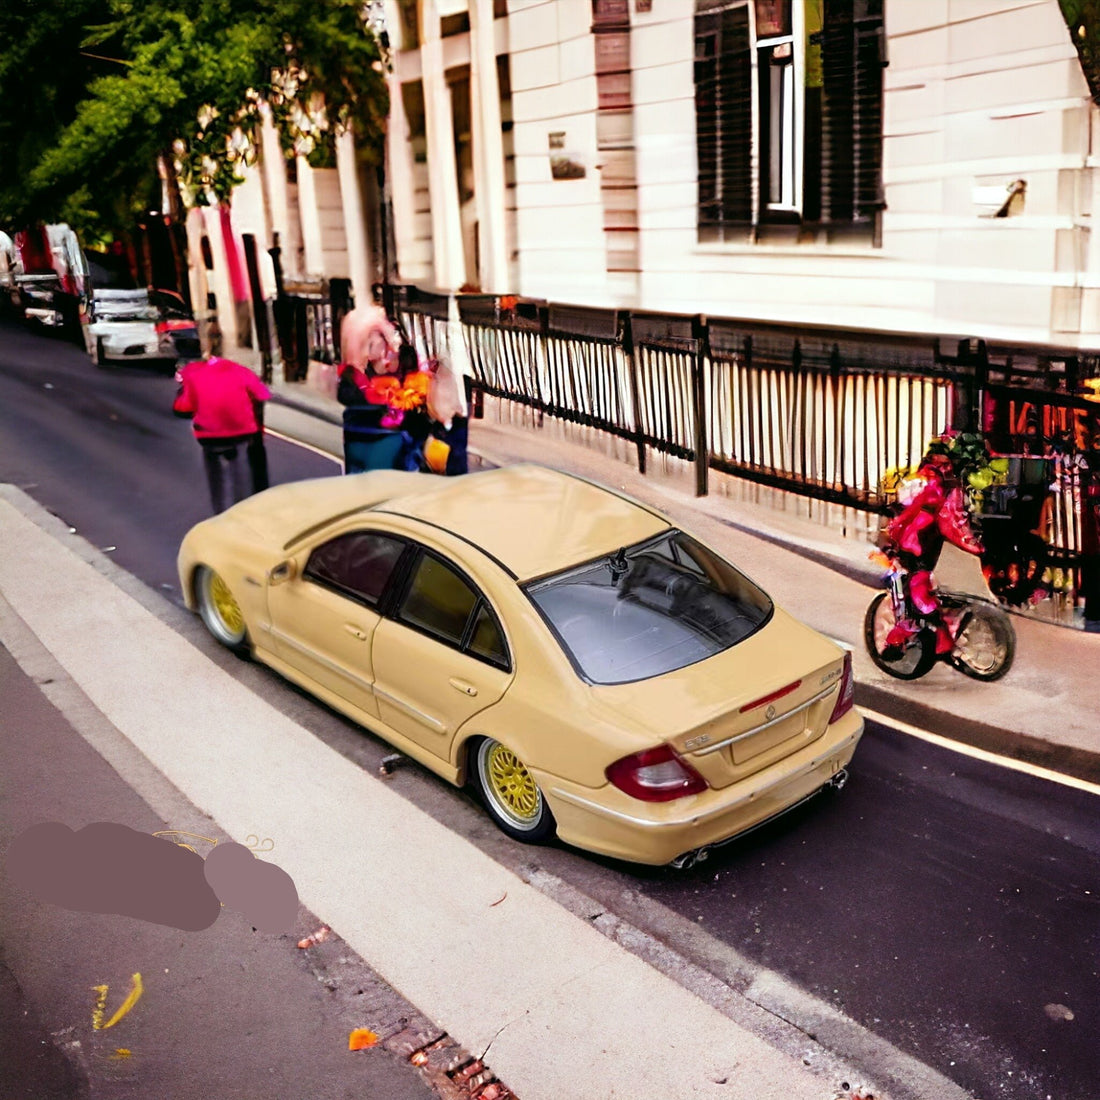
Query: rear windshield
x=649, y=609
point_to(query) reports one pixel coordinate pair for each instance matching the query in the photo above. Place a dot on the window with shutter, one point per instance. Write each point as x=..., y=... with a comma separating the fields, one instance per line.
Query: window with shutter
x=788, y=113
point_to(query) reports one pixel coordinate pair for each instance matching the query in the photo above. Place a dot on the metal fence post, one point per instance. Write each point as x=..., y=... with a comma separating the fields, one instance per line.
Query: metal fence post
x=301, y=340
x=259, y=305
x=343, y=302
x=626, y=339
x=973, y=367
x=701, y=335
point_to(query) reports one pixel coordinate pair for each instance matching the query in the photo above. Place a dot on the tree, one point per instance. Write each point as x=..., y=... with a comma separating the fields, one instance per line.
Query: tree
x=1083, y=19
x=170, y=90
x=43, y=75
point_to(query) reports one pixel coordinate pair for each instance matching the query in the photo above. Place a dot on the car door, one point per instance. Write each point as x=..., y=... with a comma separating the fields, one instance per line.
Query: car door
x=441, y=658
x=323, y=621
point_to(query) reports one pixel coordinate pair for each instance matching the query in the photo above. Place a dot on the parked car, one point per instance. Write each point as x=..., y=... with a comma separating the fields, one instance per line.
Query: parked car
x=590, y=668
x=44, y=277
x=137, y=325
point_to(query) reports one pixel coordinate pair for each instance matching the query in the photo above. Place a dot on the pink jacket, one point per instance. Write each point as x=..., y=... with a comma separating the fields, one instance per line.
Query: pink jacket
x=222, y=397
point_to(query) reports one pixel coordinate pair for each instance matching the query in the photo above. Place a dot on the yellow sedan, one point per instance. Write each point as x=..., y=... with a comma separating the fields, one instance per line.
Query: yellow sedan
x=594, y=671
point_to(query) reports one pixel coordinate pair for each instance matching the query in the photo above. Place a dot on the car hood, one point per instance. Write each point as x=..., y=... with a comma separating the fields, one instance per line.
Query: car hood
x=698, y=709
x=283, y=515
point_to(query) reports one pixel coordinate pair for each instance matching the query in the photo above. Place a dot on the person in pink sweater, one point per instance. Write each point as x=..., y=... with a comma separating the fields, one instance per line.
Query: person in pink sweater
x=224, y=401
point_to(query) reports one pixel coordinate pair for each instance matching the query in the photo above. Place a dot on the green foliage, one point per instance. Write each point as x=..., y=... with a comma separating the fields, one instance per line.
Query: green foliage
x=113, y=85
x=1083, y=20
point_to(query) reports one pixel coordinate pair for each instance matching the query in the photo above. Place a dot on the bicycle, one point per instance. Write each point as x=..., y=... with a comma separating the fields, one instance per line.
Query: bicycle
x=984, y=640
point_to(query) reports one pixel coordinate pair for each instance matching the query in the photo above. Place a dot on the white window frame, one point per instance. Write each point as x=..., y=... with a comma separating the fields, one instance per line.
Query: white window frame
x=795, y=120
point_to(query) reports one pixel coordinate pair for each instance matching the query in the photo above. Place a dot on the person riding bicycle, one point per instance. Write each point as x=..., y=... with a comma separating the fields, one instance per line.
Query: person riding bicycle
x=934, y=509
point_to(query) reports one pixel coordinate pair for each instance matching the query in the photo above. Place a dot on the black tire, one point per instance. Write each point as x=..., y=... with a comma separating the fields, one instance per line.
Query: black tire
x=509, y=792
x=219, y=610
x=985, y=645
x=915, y=660
x=100, y=355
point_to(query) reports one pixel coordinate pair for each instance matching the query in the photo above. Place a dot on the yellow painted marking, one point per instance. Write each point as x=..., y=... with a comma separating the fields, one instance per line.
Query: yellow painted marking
x=183, y=832
x=122, y=1052
x=100, y=1002
x=132, y=998
x=305, y=446
x=982, y=754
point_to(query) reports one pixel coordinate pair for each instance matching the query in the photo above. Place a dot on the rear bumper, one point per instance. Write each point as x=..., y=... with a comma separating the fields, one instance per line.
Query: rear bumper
x=610, y=822
x=122, y=351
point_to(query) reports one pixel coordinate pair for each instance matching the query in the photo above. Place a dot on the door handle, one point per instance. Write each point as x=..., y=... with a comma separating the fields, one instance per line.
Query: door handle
x=463, y=686
x=355, y=632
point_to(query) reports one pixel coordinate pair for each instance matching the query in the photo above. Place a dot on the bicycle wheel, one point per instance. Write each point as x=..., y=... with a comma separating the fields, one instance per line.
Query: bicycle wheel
x=912, y=660
x=985, y=645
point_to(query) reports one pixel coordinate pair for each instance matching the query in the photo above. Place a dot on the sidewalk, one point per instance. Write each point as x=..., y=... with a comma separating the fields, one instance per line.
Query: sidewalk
x=1046, y=711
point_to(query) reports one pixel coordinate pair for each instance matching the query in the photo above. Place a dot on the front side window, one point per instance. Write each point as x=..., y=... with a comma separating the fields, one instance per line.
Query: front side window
x=788, y=112
x=649, y=609
x=438, y=601
x=358, y=564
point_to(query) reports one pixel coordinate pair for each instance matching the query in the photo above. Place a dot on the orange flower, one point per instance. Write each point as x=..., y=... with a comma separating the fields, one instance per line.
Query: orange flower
x=412, y=394
x=418, y=382
x=380, y=389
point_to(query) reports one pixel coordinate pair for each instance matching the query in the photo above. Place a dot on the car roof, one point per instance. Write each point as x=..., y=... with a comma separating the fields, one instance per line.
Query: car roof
x=533, y=520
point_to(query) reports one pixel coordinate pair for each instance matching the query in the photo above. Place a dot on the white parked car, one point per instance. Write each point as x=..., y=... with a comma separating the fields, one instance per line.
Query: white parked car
x=134, y=325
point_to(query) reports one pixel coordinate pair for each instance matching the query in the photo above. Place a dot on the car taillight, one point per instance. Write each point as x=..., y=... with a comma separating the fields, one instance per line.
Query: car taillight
x=656, y=775
x=847, y=694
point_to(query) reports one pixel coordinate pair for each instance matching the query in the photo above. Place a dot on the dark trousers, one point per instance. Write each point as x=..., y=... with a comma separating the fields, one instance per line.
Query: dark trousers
x=232, y=467
x=457, y=437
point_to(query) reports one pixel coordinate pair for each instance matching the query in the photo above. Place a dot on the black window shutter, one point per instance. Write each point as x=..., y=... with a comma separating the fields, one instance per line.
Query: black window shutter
x=851, y=115
x=723, y=117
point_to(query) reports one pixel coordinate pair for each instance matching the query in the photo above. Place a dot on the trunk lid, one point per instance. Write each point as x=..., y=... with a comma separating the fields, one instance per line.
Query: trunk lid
x=740, y=711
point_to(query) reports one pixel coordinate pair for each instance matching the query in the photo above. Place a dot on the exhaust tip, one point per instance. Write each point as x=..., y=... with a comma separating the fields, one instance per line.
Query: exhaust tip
x=839, y=780
x=690, y=859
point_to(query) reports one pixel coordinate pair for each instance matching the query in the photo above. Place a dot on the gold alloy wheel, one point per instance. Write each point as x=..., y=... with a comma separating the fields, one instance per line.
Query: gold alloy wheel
x=512, y=786
x=219, y=609
x=228, y=609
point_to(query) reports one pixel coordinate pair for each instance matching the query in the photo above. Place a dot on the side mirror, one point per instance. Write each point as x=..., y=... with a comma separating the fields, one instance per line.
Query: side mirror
x=284, y=571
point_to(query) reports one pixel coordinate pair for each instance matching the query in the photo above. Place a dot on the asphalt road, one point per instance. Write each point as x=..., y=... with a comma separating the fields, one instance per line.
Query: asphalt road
x=947, y=905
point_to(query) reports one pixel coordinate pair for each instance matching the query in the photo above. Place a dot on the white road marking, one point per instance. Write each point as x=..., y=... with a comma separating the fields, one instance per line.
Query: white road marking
x=981, y=754
x=307, y=446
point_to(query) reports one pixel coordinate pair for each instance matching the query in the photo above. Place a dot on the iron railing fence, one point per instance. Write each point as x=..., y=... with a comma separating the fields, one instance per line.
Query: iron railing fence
x=825, y=413
x=307, y=324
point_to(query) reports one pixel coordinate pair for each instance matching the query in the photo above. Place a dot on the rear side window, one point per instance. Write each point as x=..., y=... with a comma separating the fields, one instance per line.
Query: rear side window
x=358, y=564
x=649, y=609
x=486, y=641
x=440, y=601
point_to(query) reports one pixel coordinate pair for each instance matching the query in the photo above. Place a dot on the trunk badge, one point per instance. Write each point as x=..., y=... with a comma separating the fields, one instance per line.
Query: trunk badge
x=770, y=713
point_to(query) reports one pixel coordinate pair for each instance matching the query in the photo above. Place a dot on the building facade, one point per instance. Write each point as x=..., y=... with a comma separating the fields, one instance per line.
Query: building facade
x=896, y=165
